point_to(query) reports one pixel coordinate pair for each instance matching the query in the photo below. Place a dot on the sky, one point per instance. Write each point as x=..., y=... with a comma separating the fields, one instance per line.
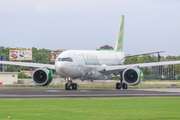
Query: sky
x=150, y=25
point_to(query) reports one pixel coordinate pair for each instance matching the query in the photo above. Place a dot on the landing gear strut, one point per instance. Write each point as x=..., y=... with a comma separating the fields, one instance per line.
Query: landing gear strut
x=70, y=86
x=121, y=84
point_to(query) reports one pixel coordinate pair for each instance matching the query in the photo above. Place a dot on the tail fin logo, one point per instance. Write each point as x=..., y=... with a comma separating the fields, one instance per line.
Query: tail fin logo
x=119, y=47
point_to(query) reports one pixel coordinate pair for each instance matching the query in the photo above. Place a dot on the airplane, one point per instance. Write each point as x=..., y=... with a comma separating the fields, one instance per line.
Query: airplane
x=92, y=65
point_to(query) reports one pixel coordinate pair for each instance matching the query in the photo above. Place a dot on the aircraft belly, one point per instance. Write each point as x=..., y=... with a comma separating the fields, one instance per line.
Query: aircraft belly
x=91, y=73
x=97, y=76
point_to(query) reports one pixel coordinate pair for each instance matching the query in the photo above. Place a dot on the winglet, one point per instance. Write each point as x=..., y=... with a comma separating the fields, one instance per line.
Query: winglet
x=119, y=43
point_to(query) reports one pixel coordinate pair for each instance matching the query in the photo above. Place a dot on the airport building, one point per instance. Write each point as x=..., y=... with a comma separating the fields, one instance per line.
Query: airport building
x=54, y=55
x=28, y=72
x=7, y=78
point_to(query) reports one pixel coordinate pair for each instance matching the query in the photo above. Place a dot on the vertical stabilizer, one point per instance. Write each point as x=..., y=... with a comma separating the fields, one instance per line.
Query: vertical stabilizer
x=119, y=43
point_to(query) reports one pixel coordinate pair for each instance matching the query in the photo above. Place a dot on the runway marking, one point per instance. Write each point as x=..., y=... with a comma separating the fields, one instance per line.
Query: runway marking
x=34, y=90
x=53, y=91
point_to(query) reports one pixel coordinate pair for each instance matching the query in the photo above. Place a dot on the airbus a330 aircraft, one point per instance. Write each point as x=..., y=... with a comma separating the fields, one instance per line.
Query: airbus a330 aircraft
x=91, y=65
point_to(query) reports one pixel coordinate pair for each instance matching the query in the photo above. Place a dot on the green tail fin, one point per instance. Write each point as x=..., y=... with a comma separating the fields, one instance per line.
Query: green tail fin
x=119, y=46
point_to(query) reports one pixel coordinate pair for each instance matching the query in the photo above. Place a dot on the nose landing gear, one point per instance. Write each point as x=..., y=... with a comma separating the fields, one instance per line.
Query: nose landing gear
x=70, y=85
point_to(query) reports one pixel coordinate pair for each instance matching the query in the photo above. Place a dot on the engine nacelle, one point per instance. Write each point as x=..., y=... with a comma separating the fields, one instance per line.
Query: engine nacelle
x=132, y=76
x=42, y=76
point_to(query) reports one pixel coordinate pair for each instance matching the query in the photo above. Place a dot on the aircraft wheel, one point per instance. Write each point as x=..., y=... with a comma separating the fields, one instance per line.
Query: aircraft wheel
x=70, y=87
x=125, y=86
x=118, y=86
x=66, y=86
x=75, y=86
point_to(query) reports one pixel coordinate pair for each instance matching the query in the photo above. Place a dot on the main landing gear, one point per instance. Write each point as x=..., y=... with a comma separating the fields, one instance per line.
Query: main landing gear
x=121, y=84
x=70, y=86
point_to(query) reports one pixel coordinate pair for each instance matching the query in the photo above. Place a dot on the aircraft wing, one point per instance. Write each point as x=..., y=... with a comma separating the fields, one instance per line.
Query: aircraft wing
x=28, y=64
x=115, y=69
x=144, y=54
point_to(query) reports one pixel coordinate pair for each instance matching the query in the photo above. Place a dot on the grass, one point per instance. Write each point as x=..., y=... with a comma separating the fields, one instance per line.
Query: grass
x=91, y=109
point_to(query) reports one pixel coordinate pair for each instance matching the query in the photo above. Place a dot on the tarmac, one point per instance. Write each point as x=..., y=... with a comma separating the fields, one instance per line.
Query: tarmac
x=86, y=93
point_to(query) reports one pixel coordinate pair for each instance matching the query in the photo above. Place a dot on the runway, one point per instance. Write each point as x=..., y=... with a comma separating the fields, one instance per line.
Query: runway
x=86, y=93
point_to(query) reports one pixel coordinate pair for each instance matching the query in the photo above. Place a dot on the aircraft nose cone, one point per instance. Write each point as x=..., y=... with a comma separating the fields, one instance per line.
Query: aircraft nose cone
x=60, y=68
x=64, y=69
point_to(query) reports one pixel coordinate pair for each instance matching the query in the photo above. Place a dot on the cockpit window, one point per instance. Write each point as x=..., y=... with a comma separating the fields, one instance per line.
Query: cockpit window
x=65, y=59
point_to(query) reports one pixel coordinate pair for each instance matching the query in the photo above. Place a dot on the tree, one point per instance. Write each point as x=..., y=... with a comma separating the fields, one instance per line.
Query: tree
x=22, y=75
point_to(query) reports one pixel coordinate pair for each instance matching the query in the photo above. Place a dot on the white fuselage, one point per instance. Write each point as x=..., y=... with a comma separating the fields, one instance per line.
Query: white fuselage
x=86, y=64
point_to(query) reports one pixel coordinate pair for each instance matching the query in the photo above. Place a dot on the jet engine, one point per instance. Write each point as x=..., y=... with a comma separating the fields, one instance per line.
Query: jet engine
x=42, y=76
x=132, y=76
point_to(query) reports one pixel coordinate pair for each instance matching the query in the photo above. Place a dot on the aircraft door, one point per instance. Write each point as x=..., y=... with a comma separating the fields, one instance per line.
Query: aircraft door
x=80, y=63
x=80, y=60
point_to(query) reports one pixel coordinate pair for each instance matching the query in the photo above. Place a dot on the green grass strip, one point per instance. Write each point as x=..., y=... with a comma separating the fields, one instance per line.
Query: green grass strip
x=132, y=108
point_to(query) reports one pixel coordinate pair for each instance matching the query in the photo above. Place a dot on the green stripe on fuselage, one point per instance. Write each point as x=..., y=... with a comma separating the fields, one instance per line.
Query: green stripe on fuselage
x=90, y=59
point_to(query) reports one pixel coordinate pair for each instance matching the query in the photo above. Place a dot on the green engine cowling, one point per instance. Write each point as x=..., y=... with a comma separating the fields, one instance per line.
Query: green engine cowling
x=132, y=76
x=42, y=76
